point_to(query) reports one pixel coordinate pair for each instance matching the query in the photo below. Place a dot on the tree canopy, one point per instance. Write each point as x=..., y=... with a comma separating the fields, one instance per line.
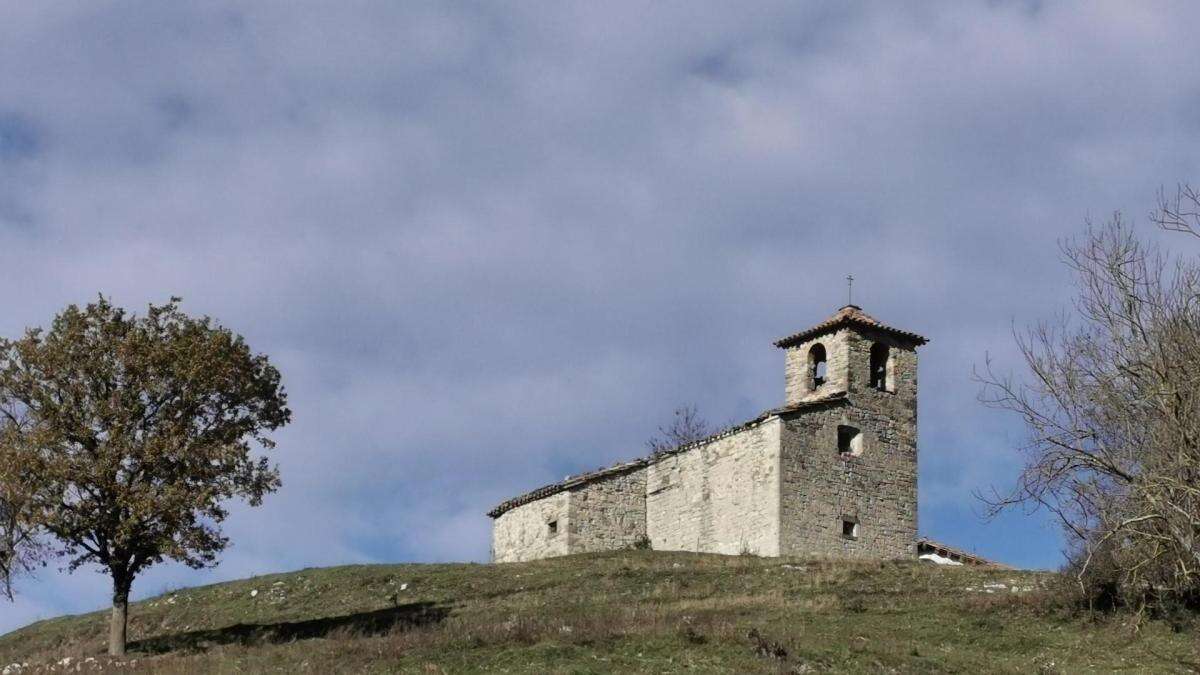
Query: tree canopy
x=130, y=433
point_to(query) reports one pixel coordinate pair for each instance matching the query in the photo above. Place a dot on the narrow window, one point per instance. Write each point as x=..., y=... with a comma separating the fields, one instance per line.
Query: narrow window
x=816, y=364
x=553, y=527
x=849, y=441
x=849, y=528
x=879, y=362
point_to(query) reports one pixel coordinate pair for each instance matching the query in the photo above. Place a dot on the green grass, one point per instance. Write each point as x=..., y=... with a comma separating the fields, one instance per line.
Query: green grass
x=635, y=611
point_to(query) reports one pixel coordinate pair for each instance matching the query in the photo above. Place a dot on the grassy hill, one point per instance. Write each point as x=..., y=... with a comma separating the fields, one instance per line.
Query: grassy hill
x=637, y=611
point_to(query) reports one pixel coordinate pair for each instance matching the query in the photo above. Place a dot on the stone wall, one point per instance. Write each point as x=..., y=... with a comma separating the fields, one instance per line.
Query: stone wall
x=798, y=383
x=523, y=533
x=877, y=488
x=777, y=487
x=720, y=497
x=901, y=399
x=608, y=513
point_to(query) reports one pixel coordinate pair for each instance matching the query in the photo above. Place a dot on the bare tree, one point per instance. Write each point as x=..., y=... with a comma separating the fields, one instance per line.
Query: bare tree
x=1112, y=409
x=1180, y=213
x=687, y=426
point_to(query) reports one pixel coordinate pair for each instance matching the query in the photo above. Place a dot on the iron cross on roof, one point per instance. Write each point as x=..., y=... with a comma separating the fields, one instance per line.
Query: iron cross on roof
x=849, y=289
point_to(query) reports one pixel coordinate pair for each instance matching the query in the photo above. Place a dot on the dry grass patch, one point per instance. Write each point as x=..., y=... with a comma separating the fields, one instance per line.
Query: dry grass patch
x=633, y=611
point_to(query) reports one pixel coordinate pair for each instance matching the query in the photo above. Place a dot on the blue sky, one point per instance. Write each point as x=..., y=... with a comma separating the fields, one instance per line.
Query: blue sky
x=491, y=245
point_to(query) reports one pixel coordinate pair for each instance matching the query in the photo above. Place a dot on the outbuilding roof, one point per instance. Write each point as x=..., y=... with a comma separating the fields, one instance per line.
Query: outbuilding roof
x=927, y=545
x=625, y=467
x=850, y=315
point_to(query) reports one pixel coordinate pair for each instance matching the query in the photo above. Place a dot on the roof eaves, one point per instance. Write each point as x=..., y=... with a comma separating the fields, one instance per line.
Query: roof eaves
x=839, y=397
x=830, y=326
x=583, y=478
x=970, y=558
x=763, y=417
x=563, y=485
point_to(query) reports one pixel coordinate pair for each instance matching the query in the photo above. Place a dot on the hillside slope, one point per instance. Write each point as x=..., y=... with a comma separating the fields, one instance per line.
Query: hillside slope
x=636, y=611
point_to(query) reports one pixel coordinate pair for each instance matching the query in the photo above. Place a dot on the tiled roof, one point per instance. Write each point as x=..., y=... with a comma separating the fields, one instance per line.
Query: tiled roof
x=566, y=484
x=616, y=469
x=927, y=545
x=850, y=315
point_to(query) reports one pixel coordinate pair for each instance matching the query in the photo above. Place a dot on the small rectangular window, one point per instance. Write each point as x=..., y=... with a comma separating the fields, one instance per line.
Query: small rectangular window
x=849, y=528
x=849, y=440
x=553, y=527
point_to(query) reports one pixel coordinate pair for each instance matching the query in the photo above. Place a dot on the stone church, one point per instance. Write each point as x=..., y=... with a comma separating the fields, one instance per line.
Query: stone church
x=831, y=472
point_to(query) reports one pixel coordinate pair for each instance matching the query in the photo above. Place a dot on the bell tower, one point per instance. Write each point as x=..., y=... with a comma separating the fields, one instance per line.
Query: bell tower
x=850, y=354
x=848, y=453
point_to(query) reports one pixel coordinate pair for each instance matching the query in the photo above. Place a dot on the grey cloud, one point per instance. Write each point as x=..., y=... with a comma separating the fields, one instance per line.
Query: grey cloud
x=489, y=247
x=19, y=138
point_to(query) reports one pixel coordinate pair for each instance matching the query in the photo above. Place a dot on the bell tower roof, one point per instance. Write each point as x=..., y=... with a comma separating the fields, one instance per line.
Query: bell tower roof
x=850, y=315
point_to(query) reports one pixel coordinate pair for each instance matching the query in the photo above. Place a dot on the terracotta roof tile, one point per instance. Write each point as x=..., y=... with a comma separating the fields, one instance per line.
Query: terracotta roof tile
x=850, y=315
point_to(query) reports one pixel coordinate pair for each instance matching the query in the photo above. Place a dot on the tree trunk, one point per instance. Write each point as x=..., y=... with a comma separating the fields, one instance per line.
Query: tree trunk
x=120, y=618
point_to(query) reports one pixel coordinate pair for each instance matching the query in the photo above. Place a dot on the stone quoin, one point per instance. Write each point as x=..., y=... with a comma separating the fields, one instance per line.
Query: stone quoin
x=833, y=472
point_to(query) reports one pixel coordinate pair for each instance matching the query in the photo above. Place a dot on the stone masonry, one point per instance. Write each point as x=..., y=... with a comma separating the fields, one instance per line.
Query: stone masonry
x=833, y=472
x=718, y=497
x=609, y=513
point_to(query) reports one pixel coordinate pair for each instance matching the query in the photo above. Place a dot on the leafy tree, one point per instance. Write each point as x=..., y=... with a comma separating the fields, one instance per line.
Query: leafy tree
x=20, y=548
x=130, y=433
